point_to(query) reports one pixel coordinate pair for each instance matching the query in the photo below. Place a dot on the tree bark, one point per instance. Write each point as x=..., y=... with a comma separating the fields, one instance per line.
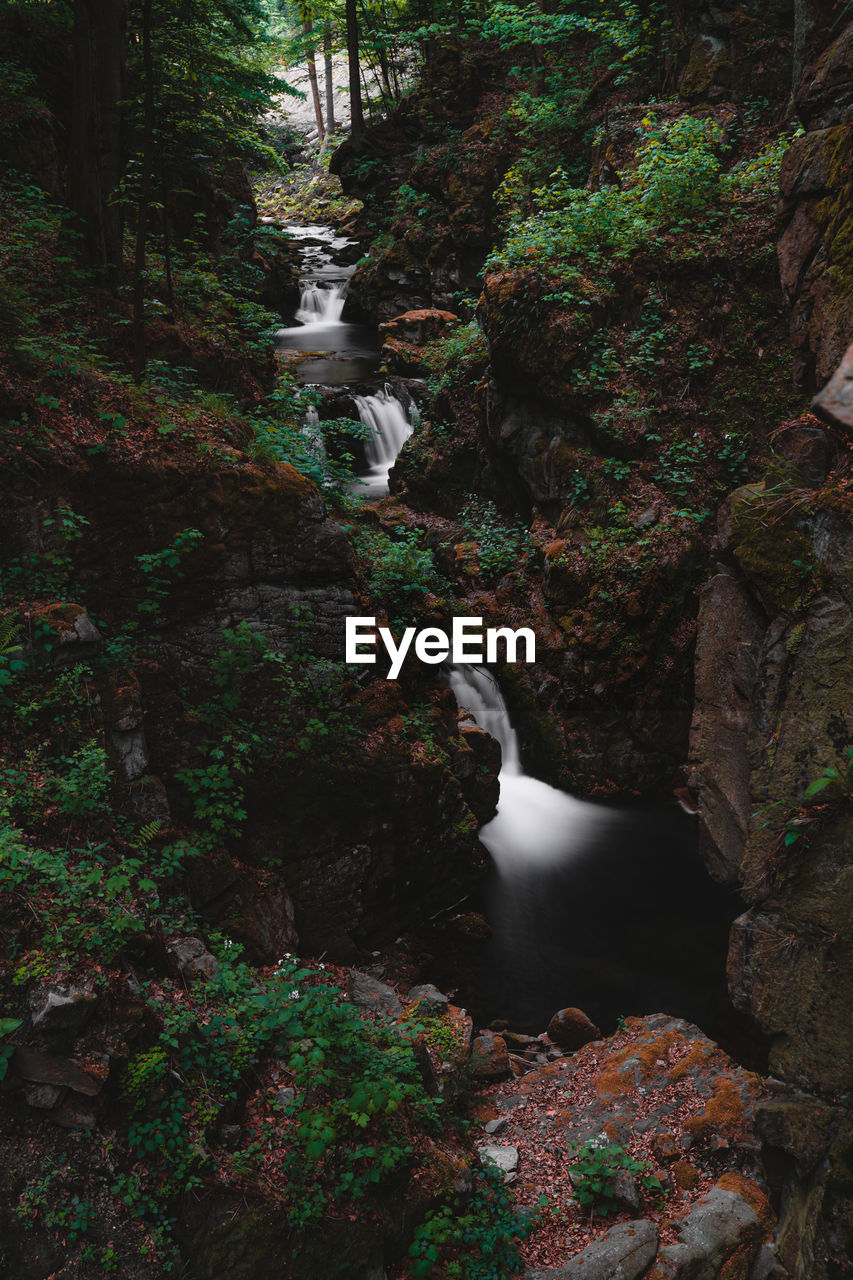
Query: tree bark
x=144, y=203
x=308, y=29
x=98, y=51
x=331, y=124
x=356, y=112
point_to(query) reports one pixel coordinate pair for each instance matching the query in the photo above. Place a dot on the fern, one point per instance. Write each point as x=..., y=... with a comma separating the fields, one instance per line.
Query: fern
x=145, y=835
x=10, y=629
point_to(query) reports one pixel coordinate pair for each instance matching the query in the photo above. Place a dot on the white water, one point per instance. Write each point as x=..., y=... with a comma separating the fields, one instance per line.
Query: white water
x=390, y=428
x=535, y=824
x=320, y=306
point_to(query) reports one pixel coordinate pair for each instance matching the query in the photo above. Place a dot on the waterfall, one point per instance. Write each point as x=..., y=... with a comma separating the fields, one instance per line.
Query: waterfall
x=321, y=305
x=390, y=428
x=535, y=824
x=477, y=691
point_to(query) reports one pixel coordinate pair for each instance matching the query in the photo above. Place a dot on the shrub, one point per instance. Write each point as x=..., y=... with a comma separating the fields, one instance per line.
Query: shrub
x=595, y=1171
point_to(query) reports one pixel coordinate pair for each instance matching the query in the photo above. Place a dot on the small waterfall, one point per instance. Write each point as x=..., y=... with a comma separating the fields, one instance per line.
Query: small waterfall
x=535, y=824
x=390, y=428
x=477, y=692
x=321, y=305
x=313, y=433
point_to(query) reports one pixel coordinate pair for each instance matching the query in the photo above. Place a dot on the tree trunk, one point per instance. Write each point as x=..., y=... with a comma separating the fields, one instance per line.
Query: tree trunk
x=98, y=49
x=356, y=112
x=307, y=29
x=144, y=202
x=331, y=123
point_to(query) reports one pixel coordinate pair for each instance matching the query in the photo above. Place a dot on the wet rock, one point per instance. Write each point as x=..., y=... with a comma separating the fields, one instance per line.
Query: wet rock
x=723, y=1230
x=370, y=993
x=506, y=1158
x=571, y=1029
x=489, y=1057
x=622, y=1253
x=66, y=1008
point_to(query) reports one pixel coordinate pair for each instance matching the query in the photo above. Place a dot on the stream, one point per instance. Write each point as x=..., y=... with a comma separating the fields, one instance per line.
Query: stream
x=603, y=907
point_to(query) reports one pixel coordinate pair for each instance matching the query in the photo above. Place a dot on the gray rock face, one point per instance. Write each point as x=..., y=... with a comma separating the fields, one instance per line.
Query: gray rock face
x=720, y=1225
x=62, y=1008
x=369, y=993
x=506, y=1158
x=731, y=623
x=194, y=961
x=622, y=1253
x=427, y=994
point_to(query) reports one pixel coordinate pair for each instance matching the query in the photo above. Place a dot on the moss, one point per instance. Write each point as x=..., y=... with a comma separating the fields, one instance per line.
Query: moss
x=724, y=1114
x=636, y=1064
x=775, y=554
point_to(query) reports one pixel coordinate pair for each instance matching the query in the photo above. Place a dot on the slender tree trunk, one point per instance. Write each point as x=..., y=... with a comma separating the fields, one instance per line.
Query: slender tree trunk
x=98, y=49
x=144, y=204
x=330, y=77
x=356, y=111
x=308, y=28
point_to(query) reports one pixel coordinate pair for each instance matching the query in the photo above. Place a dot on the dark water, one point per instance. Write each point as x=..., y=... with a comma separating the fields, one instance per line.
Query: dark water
x=626, y=922
x=339, y=353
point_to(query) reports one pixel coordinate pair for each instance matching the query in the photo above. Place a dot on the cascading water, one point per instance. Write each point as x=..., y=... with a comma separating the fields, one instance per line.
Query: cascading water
x=390, y=428
x=321, y=305
x=535, y=823
x=609, y=909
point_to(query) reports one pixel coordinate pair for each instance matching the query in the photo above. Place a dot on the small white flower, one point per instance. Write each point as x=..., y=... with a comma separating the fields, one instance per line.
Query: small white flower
x=294, y=995
x=227, y=944
x=321, y=966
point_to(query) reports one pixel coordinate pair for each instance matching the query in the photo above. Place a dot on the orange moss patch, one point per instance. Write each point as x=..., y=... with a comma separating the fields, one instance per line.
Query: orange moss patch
x=699, y=1056
x=645, y=1059
x=724, y=1114
x=685, y=1176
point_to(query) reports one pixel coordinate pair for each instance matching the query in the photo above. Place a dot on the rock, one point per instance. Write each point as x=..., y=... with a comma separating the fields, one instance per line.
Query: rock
x=729, y=633
x=429, y=995
x=722, y=1231
x=495, y=1127
x=506, y=1158
x=622, y=1253
x=285, y=1096
x=489, y=1057
x=193, y=959
x=571, y=1029
x=42, y=1068
x=43, y=1096
x=66, y=1008
x=767, y=1265
x=627, y=1193
x=835, y=402
x=666, y=1148
x=79, y=640
x=369, y=993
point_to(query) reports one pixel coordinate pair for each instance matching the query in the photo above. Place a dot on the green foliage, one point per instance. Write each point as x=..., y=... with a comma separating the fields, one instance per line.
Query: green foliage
x=162, y=568
x=399, y=571
x=357, y=1087
x=456, y=358
x=501, y=543
x=82, y=783
x=49, y=571
x=11, y=665
x=7, y=1026
x=674, y=179
x=475, y=1239
x=595, y=1169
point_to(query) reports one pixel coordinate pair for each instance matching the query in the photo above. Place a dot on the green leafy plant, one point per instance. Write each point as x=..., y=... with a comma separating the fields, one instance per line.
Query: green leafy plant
x=474, y=1239
x=7, y=1026
x=501, y=543
x=595, y=1169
